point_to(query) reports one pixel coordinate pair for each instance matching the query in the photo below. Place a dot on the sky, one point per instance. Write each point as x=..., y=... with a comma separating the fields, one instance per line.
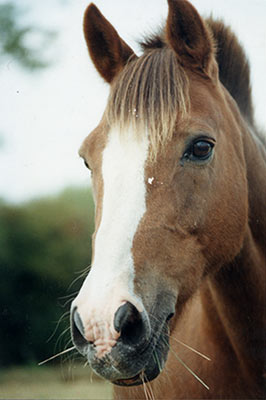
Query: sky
x=45, y=116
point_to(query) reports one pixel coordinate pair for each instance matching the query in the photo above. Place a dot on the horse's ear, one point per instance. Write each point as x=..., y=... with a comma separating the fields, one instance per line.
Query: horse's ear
x=189, y=36
x=108, y=51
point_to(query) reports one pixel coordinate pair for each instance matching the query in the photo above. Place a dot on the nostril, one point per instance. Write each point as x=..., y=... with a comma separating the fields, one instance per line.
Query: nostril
x=130, y=323
x=122, y=315
x=78, y=322
x=77, y=330
x=170, y=316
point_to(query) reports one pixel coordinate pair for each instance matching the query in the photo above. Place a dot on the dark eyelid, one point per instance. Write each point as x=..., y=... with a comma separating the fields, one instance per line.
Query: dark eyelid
x=201, y=136
x=194, y=139
x=85, y=162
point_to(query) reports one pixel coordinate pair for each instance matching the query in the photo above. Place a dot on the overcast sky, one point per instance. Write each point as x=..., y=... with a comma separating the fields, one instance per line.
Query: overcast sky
x=45, y=116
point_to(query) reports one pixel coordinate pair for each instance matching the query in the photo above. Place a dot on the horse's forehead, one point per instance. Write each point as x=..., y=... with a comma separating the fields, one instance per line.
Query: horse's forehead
x=118, y=142
x=204, y=115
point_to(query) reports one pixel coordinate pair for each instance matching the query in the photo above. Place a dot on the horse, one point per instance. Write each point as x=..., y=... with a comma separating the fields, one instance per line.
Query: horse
x=174, y=304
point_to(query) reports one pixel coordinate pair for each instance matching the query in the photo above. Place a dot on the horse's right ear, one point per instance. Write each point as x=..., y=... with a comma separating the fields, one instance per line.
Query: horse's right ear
x=108, y=51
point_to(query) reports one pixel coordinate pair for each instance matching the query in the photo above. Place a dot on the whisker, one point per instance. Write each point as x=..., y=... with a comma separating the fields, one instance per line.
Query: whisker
x=69, y=357
x=190, y=348
x=82, y=274
x=156, y=359
x=185, y=345
x=57, y=355
x=161, y=369
x=74, y=281
x=57, y=325
x=67, y=296
x=68, y=299
x=67, y=302
x=84, y=271
x=150, y=390
x=189, y=369
x=59, y=342
x=147, y=397
x=91, y=373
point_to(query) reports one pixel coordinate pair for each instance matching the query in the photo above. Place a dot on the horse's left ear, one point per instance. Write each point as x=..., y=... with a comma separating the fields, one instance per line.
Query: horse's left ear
x=108, y=51
x=189, y=37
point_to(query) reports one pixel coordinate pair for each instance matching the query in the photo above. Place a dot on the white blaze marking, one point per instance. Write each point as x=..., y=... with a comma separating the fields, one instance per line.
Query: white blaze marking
x=123, y=202
x=111, y=279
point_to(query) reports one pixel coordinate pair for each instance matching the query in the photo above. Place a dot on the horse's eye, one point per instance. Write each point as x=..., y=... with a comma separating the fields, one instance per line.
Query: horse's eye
x=86, y=164
x=199, y=151
x=202, y=149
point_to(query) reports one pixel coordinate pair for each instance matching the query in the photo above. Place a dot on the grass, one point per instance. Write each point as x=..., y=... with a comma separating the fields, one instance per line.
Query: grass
x=46, y=382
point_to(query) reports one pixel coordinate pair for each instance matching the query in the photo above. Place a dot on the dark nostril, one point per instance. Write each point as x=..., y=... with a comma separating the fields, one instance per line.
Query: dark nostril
x=130, y=323
x=78, y=322
x=170, y=316
x=122, y=316
x=77, y=330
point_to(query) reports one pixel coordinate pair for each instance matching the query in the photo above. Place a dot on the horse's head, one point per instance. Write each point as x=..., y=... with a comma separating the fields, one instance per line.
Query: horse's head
x=171, y=196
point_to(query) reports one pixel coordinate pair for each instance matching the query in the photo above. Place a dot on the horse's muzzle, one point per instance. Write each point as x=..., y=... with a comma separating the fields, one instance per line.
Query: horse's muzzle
x=137, y=354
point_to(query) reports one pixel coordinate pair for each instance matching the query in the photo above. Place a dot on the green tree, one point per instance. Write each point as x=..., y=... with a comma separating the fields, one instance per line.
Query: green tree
x=14, y=35
x=44, y=246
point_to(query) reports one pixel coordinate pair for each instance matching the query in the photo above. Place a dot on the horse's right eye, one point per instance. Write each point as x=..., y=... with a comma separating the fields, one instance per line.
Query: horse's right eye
x=86, y=164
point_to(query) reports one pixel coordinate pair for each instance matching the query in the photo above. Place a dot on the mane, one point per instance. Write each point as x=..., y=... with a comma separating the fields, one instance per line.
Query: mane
x=153, y=88
x=234, y=70
x=147, y=96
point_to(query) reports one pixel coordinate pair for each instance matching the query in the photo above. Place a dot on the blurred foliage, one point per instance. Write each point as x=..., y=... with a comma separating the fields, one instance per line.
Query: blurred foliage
x=44, y=246
x=14, y=36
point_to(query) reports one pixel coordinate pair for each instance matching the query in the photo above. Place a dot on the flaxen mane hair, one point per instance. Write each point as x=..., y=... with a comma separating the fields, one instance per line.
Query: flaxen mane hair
x=148, y=95
x=152, y=90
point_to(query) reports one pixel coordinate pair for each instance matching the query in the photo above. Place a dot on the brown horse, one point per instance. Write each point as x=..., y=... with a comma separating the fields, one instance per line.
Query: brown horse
x=174, y=304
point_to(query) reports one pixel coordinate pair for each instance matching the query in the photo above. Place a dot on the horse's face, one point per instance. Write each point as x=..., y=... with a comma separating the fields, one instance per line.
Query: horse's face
x=162, y=223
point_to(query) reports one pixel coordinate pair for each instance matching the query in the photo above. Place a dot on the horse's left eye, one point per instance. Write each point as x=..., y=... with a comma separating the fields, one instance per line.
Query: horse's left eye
x=198, y=151
x=202, y=149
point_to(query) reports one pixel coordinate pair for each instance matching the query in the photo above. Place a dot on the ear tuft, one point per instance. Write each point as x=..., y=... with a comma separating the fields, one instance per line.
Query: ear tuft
x=188, y=35
x=108, y=51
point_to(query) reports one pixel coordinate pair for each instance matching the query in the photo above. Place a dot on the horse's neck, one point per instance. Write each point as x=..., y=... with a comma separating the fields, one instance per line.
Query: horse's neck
x=255, y=154
x=236, y=295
